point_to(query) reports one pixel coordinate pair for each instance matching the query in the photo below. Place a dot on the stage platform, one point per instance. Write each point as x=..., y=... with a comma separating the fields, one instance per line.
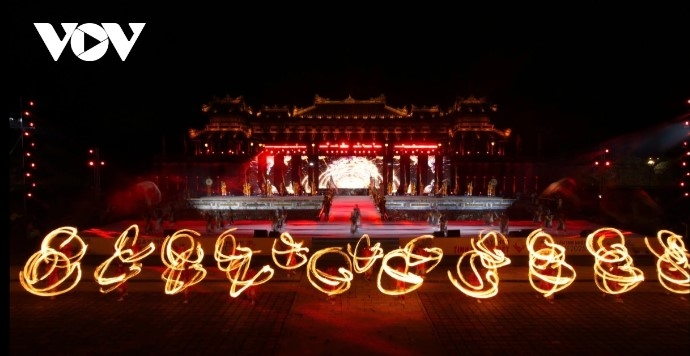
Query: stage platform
x=318, y=233
x=399, y=207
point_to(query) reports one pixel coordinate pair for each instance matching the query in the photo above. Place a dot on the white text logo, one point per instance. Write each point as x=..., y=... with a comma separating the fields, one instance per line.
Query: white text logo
x=108, y=32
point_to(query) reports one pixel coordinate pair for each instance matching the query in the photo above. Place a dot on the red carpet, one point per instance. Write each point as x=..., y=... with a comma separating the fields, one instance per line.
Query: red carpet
x=343, y=204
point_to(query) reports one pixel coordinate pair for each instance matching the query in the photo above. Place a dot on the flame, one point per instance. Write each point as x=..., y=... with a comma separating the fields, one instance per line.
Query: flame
x=63, y=271
x=365, y=262
x=490, y=258
x=327, y=281
x=401, y=275
x=614, y=272
x=236, y=265
x=292, y=249
x=672, y=264
x=407, y=281
x=126, y=256
x=547, y=263
x=182, y=272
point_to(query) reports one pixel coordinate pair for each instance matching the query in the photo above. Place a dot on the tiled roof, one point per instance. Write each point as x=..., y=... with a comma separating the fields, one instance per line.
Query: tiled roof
x=349, y=108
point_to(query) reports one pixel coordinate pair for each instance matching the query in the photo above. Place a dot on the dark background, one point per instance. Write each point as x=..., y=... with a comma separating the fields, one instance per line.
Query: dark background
x=575, y=78
x=570, y=79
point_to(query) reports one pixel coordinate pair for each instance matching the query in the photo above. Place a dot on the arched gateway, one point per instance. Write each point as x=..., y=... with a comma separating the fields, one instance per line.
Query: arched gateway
x=412, y=155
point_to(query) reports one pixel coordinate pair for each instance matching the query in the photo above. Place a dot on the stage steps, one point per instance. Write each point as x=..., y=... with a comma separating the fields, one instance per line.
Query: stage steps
x=342, y=206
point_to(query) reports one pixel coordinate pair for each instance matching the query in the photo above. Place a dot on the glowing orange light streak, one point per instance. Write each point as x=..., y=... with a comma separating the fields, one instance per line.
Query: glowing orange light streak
x=236, y=264
x=126, y=255
x=614, y=272
x=673, y=270
x=411, y=280
x=56, y=281
x=362, y=264
x=490, y=258
x=182, y=272
x=289, y=247
x=547, y=264
x=329, y=283
x=674, y=277
x=434, y=254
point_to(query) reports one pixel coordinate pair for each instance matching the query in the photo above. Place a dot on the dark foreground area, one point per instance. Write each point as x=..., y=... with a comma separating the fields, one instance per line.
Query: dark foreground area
x=291, y=317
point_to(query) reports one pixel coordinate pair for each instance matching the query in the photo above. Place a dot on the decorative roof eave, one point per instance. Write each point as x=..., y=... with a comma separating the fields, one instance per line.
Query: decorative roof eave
x=322, y=102
x=227, y=100
x=504, y=134
x=210, y=135
x=275, y=110
x=402, y=112
x=233, y=126
x=471, y=100
x=433, y=109
x=381, y=99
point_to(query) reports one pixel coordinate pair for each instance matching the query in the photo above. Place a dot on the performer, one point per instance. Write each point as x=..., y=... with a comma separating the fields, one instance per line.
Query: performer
x=443, y=224
x=291, y=261
x=223, y=188
x=252, y=291
x=269, y=188
x=325, y=207
x=474, y=279
x=491, y=189
x=549, y=271
x=122, y=289
x=400, y=285
x=421, y=268
x=503, y=222
x=548, y=219
x=675, y=272
x=367, y=253
x=354, y=220
x=561, y=221
x=613, y=285
x=382, y=208
x=185, y=273
x=333, y=272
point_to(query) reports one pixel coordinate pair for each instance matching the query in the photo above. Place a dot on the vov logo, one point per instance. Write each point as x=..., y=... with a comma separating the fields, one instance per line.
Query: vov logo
x=74, y=33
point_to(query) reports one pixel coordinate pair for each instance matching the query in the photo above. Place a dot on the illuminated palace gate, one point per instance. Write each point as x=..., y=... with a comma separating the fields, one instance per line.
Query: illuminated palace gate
x=349, y=144
x=393, y=175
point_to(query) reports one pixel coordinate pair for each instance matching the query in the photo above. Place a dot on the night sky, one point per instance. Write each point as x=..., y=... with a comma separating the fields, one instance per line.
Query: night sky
x=575, y=79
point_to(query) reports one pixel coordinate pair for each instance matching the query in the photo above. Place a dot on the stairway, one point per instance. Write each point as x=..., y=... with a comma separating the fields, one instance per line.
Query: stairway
x=342, y=206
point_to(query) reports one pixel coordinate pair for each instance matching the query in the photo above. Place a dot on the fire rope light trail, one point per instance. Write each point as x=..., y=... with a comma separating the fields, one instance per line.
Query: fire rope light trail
x=547, y=264
x=63, y=270
x=411, y=280
x=236, y=264
x=126, y=256
x=409, y=259
x=490, y=258
x=289, y=247
x=362, y=264
x=182, y=272
x=672, y=265
x=433, y=254
x=330, y=283
x=614, y=272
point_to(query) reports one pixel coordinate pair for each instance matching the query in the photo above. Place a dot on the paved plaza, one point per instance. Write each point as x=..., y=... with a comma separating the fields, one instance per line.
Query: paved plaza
x=291, y=317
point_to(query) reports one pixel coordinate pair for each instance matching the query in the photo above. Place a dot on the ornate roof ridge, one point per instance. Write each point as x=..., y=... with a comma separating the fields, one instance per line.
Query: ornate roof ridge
x=471, y=100
x=381, y=99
